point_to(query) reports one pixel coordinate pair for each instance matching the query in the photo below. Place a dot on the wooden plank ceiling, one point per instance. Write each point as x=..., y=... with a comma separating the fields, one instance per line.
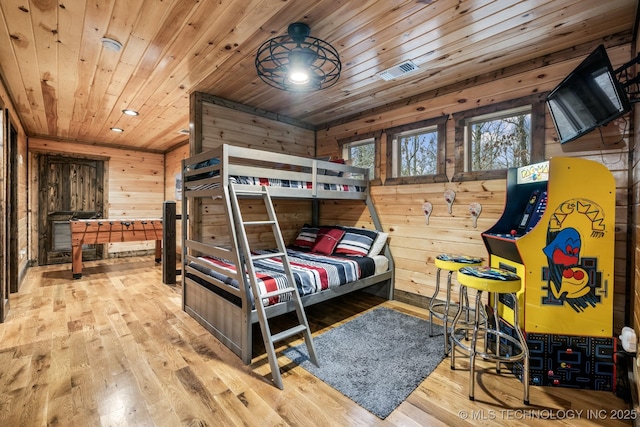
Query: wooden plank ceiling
x=67, y=86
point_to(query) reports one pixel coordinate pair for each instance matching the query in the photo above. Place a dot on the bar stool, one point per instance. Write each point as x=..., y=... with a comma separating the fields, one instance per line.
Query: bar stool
x=441, y=310
x=496, y=281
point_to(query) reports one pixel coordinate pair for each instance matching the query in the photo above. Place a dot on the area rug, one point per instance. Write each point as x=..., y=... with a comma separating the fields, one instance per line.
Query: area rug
x=376, y=359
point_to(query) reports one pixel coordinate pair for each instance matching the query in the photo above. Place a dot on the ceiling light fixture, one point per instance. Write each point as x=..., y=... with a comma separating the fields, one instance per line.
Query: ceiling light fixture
x=298, y=62
x=111, y=44
x=117, y=129
x=130, y=112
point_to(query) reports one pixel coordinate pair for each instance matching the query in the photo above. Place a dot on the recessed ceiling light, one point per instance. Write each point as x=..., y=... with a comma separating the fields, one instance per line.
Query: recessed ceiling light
x=117, y=129
x=130, y=112
x=111, y=44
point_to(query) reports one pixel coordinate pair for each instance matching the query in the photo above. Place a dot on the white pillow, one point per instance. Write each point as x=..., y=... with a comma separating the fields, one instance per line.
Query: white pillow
x=378, y=244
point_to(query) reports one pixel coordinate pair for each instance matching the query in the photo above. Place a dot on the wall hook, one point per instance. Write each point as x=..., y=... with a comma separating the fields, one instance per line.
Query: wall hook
x=475, y=209
x=427, y=208
x=449, y=197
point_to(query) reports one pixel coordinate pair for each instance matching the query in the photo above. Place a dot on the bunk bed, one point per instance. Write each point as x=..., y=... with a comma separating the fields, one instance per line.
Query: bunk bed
x=215, y=291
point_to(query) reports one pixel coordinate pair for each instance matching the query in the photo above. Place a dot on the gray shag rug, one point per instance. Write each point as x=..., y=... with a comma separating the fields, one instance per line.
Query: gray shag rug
x=376, y=359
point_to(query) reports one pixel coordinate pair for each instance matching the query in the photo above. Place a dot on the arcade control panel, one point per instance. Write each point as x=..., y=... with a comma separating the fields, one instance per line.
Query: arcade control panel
x=533, y=211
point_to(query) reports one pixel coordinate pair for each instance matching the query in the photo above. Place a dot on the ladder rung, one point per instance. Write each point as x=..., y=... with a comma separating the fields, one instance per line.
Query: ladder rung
x=259, y=222
x=269, y=255
x=250, y=192
x=276, y=293
x=288, y=333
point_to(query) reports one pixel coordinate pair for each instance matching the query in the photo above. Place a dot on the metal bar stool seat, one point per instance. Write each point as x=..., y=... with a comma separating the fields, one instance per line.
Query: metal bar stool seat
x=444, y=310
x=496, y=281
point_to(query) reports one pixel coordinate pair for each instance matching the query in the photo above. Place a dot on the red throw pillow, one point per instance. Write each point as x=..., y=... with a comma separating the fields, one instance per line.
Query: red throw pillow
x=327, y=240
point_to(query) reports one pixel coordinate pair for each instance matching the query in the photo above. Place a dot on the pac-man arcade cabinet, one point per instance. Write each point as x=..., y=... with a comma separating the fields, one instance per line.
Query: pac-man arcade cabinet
x=557, y=234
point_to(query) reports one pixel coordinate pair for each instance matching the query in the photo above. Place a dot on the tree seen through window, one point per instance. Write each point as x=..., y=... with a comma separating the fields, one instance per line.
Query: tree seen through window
x=500, y=143
x=362, y=155
x=419, y=153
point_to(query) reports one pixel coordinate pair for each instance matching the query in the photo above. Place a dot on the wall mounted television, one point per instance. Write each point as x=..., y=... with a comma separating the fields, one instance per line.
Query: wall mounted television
x=588, y=98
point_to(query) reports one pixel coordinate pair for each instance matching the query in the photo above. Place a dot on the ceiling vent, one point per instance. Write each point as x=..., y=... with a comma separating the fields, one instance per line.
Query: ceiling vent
x=398, y=70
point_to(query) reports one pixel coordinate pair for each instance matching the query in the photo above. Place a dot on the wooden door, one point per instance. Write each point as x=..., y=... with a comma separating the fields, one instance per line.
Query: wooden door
x=69, y=188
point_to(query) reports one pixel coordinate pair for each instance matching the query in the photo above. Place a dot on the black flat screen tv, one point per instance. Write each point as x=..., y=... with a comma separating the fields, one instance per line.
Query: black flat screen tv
x=588, y=98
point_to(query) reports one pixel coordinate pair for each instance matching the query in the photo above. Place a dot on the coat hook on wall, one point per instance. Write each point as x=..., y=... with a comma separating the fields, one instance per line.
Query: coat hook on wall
x=449, y=197
x=475, y=209
x=427, y=208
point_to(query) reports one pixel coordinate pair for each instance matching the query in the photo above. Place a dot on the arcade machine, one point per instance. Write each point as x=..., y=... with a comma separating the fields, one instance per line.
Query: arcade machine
x=557, y=233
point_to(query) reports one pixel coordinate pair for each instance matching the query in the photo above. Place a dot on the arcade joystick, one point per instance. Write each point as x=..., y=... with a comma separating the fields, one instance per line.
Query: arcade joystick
x=513, y=233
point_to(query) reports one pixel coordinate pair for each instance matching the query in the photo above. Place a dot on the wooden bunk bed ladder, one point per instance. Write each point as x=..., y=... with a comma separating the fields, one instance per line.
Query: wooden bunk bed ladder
x=260, y=298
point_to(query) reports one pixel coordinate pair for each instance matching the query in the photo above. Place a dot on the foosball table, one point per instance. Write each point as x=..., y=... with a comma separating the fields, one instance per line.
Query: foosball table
x=97, y=231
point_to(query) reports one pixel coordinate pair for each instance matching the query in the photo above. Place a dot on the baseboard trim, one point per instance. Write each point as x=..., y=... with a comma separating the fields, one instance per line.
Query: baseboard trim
x=411, y=298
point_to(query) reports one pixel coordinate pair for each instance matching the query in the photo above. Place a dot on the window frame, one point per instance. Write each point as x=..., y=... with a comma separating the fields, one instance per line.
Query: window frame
x=376, y=144
x=393, y=133
x=537, y=103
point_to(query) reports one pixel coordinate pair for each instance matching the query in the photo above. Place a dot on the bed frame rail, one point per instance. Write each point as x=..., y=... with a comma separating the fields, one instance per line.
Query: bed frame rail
x=211, y=170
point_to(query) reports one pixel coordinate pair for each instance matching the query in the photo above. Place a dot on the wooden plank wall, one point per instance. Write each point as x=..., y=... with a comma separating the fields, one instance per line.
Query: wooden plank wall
x=414, y=244
x=223, y=122
x=135, y=186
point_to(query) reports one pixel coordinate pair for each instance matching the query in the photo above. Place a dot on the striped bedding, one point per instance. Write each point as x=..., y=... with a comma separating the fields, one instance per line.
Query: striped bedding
x=249, y=180
x=312, y=272
x=273, y=182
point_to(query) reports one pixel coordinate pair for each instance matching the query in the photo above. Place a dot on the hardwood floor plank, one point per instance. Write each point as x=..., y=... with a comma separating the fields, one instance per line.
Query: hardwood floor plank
x=60, y=408
x=259, y=409
x=116, y=348
x=408, y=415
x=11, y=407
x=85, y=405
x=35, y=393
x=18, y=374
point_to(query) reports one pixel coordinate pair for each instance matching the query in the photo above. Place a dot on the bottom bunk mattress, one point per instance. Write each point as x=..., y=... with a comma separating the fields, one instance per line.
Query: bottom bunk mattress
x=312, y=272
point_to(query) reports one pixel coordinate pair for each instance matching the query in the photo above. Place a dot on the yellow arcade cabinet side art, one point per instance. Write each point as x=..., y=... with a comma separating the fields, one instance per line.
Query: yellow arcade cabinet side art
x=558, y=235
x=569, y=256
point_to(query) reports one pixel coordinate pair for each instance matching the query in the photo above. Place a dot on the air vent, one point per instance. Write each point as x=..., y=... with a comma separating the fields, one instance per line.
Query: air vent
x=398, y=70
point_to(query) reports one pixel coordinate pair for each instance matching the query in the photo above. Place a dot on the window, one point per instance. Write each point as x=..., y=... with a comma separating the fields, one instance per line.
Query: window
x=361, y=154
x=416, y=152
x=498, y=141
x=492, y=139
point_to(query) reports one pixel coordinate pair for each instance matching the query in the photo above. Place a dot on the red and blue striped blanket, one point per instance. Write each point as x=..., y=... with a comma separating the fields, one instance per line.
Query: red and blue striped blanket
x=312, y=272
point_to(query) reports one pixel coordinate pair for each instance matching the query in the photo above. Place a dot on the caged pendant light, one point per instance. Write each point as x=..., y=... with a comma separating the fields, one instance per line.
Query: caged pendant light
x=298, y=62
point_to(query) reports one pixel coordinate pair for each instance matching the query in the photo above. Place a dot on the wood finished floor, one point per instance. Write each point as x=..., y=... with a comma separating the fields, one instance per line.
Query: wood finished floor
x=115, y=349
